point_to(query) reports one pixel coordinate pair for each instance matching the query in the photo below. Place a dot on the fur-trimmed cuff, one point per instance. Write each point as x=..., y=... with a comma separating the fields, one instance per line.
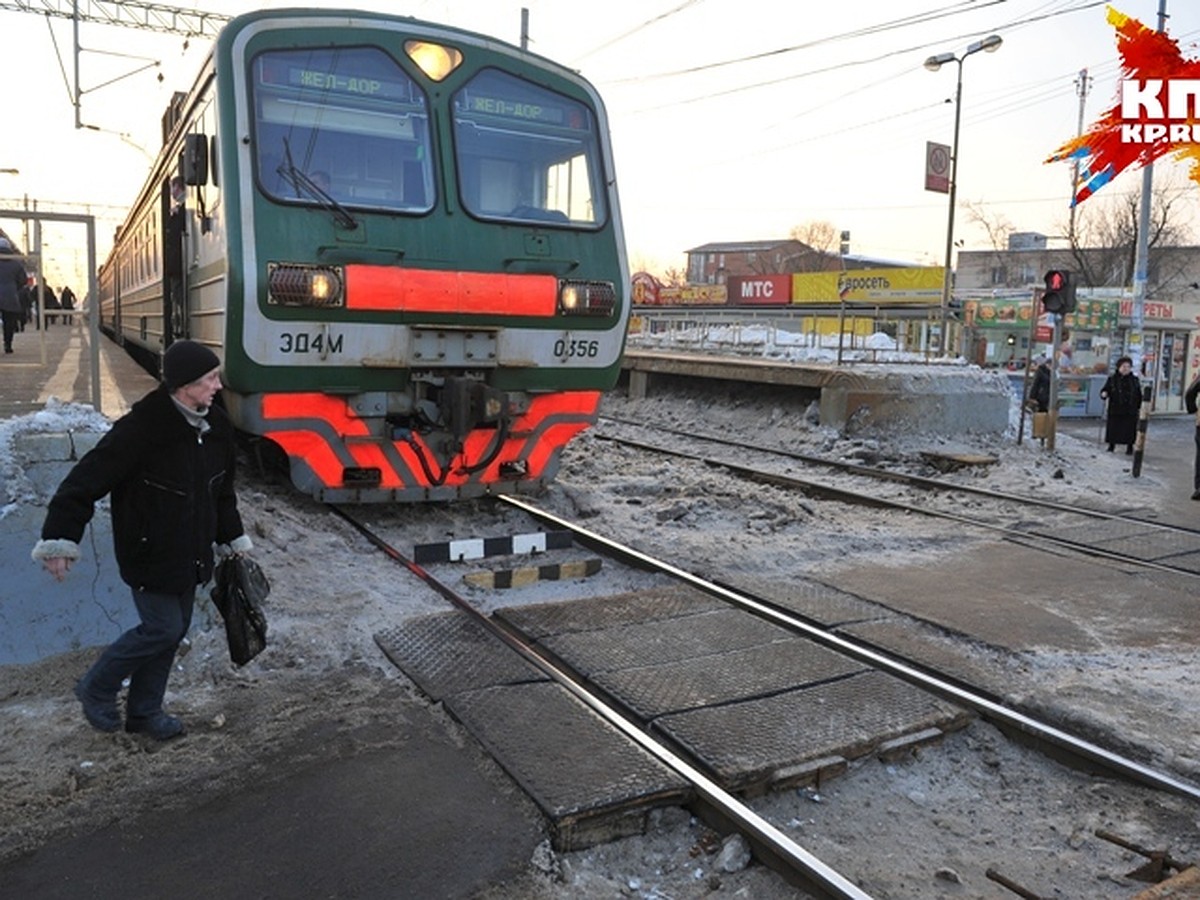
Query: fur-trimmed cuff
x=241, y=544
x=55, y=548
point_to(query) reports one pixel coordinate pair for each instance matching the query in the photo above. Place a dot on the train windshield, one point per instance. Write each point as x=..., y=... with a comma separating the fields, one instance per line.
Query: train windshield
x=341, y=127
x=526, y=153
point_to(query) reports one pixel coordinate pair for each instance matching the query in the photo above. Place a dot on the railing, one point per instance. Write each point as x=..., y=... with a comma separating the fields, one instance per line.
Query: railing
x=801, y=335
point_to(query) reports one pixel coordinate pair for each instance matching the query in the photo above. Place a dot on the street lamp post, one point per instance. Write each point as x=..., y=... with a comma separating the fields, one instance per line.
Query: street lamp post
x=990, y=44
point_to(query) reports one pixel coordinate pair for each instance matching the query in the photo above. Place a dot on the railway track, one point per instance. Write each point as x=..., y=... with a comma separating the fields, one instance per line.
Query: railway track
x=770, y=842
x=1092, y=532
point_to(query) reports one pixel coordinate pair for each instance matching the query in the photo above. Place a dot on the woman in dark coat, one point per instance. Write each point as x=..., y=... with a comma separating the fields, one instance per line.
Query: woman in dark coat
x=1123, y=392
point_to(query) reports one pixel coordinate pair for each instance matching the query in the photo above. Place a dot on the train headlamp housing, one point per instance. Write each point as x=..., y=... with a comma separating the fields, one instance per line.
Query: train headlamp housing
x=435, y=60
x=290, y=284
x=586, y=298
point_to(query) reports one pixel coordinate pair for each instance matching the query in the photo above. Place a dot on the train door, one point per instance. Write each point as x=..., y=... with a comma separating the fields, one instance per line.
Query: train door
x=174, y=213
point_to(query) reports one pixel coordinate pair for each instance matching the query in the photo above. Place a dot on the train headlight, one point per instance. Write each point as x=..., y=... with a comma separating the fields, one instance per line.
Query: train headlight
x=297, y=285
x=586, y=298
x=435, y=60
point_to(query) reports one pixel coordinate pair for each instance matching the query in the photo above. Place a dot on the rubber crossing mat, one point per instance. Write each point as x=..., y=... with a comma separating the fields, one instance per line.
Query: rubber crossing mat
x=590, y=781
x=714, y=679
x=540, y=619
x=815, y=600
x=592, y=784
x=758, y=743
x=448, y=653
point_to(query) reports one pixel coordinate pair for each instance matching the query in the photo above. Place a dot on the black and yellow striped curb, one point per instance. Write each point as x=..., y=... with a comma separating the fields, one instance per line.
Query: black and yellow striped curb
x=510, y=578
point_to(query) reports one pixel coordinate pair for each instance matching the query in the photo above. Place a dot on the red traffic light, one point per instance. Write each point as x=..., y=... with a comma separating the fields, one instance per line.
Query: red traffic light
x=1060, y=292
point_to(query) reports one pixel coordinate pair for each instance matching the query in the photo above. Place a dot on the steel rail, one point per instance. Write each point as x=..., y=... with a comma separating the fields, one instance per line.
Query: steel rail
x=901, y=477
x=1029, y=538
x=989, y=709
x=765, y=838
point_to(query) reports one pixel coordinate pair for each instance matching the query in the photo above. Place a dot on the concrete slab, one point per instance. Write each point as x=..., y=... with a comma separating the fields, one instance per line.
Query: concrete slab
x=663, y=641
x=542, y=619
x=822, y=603
x=1012, y=597
x=751, y=745
x=449, y=653
x=589, y=780
x=655, y=690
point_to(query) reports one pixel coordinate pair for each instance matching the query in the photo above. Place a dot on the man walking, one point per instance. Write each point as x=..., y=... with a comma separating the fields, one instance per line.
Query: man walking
x=169, y=465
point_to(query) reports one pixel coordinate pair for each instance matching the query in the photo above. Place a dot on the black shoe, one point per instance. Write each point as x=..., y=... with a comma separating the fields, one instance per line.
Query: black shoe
x=160, y=727
x=101, y=714
x=1129, y=450
x=1110, y=448
x=1196, y=495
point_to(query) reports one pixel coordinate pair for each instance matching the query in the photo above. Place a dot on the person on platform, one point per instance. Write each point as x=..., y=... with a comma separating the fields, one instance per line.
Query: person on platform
x=66, y=299
x=169, y=466
x=1123, y=391
x=1039, y=392
x=12, y=280
x=173, y=260
x=1189, y=399
x=51, y=302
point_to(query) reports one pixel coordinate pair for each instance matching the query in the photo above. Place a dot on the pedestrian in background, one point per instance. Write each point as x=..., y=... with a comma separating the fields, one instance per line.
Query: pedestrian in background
x=12, y=280
x=66, y=299
x=1123, y=391
x=173, y=238
x=1039, y=392
x=169, y=465
x=51, y=302
x=1189, y=398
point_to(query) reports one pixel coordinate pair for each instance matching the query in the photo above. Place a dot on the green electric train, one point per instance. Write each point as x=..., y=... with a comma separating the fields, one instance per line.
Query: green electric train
x=402, y=239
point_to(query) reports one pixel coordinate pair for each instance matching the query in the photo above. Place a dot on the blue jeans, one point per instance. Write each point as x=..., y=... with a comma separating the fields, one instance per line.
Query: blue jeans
x=143, y=654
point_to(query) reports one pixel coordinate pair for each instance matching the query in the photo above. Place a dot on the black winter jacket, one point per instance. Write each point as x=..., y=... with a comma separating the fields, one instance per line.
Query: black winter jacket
x=1123, y=393
x=172, y=494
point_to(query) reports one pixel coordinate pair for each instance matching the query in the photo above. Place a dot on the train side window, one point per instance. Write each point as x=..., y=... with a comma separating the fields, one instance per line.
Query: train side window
x=349, y=120
x=527, y=153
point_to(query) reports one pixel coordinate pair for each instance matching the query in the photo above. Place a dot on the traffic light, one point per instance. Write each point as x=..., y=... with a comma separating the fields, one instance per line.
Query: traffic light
x=1060, y=292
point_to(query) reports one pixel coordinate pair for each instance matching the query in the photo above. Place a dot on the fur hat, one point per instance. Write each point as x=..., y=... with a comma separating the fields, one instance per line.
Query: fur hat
x=185, y=362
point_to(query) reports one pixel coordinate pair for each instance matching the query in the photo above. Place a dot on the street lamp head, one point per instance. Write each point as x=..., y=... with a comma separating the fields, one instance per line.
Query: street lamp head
x=936, y=62
x=991, y=44
x=10, y=171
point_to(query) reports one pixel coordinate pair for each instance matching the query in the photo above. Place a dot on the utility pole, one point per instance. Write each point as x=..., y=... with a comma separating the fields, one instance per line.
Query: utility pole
x=1081, y=88
x=1140, y=265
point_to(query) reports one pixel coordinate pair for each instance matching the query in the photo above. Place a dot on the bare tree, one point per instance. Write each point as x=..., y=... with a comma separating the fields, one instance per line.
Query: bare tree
x=1104, y=244
x=674, y=278
x=819, y=241
x=997, y=227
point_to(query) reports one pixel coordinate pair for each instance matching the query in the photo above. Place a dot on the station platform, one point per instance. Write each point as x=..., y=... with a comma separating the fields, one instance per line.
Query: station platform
x=56, y=363
x=947, y=399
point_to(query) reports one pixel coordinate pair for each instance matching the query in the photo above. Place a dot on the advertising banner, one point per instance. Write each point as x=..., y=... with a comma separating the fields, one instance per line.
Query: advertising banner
x=869, y=285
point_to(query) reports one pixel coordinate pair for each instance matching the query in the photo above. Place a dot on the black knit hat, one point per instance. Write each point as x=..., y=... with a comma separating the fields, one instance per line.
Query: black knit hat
x=185, y=362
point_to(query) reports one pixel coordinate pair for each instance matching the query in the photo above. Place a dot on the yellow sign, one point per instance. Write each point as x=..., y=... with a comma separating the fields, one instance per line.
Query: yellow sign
x=869, y=285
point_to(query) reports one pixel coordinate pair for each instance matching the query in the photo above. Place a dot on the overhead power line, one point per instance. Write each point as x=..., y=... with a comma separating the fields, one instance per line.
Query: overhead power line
x=155, y=17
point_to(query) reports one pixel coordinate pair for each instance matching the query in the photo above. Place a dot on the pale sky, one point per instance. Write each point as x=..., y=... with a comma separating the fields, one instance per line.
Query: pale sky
x=731, y=119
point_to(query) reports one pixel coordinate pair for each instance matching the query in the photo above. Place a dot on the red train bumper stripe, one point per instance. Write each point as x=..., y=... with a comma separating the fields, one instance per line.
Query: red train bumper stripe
x=335, y=438
x=424, y=290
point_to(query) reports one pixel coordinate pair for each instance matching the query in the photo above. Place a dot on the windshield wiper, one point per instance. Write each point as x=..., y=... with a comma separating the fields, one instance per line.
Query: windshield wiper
x=300, y=181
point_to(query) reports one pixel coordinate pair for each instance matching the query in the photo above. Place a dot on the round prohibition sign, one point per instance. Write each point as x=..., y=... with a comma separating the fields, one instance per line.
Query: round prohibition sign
x=939, y=160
